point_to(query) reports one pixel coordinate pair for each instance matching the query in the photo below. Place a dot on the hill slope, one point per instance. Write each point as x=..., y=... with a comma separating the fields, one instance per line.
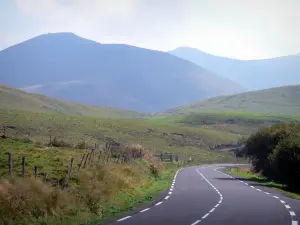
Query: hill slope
x=280, y=100
x=11, y=98
x=252, y=74
x=63, y=65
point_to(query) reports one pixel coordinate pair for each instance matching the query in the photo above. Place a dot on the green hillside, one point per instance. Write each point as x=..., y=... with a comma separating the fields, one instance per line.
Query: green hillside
x=279, y=100
x=11, y=98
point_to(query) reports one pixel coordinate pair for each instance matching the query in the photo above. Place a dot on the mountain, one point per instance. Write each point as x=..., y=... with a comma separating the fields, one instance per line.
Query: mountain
x=11, y=98
x=63, y=65
x=280, y=100
x=251, y=74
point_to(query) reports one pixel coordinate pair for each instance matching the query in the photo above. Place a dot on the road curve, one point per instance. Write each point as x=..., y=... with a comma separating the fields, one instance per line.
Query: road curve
x=205, y=195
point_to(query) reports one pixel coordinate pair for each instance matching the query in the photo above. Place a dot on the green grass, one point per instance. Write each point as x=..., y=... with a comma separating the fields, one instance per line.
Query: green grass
x=16, y=99
x=158, y=137
x=239, y=123
x=280, y=100
x=257, y=178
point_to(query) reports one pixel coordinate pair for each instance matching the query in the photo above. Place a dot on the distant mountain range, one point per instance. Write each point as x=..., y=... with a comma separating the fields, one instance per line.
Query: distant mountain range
x=65, y=66
x=280, y=100
x=251, y=74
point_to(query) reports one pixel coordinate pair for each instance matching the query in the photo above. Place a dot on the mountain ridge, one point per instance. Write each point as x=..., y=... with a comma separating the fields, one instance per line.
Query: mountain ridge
x=277, y=100
x=117, y=75
x=252, y=74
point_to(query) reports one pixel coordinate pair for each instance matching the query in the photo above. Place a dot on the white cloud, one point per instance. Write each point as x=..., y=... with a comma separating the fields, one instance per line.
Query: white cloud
x=234, y=28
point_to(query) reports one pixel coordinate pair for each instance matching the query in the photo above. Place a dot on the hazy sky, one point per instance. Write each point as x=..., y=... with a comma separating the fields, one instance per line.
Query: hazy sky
x=244, y=29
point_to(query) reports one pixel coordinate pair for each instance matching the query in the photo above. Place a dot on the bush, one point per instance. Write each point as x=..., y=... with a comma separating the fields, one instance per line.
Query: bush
x=275, y=153
x=286, y=161
x=261, y=145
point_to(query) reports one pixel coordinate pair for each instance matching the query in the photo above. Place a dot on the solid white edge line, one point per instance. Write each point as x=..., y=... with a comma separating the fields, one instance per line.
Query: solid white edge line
x=124, y=218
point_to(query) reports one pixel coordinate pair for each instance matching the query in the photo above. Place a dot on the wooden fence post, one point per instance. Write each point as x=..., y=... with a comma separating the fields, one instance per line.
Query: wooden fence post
x=161, y=157
x=99, y=156
x=87, y=156
x=23, y=165
x=10, y=163
x=68, y=175
x=171, y=158
x=35, y=172
x=80, y=164
x=45, y=178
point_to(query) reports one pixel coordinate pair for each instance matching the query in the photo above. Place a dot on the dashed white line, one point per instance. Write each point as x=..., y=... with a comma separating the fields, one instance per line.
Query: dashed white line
x=213, y=209
x=158, y=203
x=144, y=210
x=198, y=221
x=167, y=197
x=124, y=218
x=206, y=215
x=217, y=205
x=292, y=213
x=170, y=192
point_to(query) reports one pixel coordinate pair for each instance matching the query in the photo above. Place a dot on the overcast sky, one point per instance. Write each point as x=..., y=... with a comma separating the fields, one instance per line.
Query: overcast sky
x=244, y=29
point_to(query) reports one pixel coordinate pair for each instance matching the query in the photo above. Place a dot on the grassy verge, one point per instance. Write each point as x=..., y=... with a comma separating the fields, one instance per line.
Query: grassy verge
x=101, y=191
x=249, y=176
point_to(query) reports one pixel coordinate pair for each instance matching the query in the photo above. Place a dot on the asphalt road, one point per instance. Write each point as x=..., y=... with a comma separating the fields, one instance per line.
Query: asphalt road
x=204, y=195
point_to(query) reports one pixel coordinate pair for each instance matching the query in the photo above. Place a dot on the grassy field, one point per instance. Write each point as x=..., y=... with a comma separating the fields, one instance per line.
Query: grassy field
x=173, y=138
x=249, y=176
x=239, y=123
x=280, y=100
x=11, y=98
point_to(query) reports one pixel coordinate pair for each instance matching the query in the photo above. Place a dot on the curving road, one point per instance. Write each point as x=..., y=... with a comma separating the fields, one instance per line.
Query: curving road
x=205, y=195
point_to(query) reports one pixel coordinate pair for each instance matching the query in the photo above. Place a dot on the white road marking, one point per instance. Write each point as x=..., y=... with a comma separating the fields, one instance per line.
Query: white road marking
x=292, y=213
x=287, y=206
x=251, y=186
x=221, y=197
x=206, y=215
x=258, y=189
x=167, y=197
x=276, y=197
x=267, y=193
x=283, y=202
x=145, y=210
x=124, y=218
x=217, y=205
x=170, y=192
x=158, y=203
x=198, y=221
x=294, y=222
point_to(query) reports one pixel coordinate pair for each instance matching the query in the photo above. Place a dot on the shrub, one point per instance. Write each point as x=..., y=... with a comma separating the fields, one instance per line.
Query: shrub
x=261, y=145
x=286, y=161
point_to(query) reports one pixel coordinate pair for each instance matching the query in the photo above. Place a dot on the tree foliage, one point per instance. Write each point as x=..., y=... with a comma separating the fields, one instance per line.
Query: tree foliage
x=274, y=152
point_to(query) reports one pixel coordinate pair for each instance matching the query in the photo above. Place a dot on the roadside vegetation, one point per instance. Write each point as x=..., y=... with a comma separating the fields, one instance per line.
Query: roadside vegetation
x=249, y=175
x=274, y=152
x=102, y=189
